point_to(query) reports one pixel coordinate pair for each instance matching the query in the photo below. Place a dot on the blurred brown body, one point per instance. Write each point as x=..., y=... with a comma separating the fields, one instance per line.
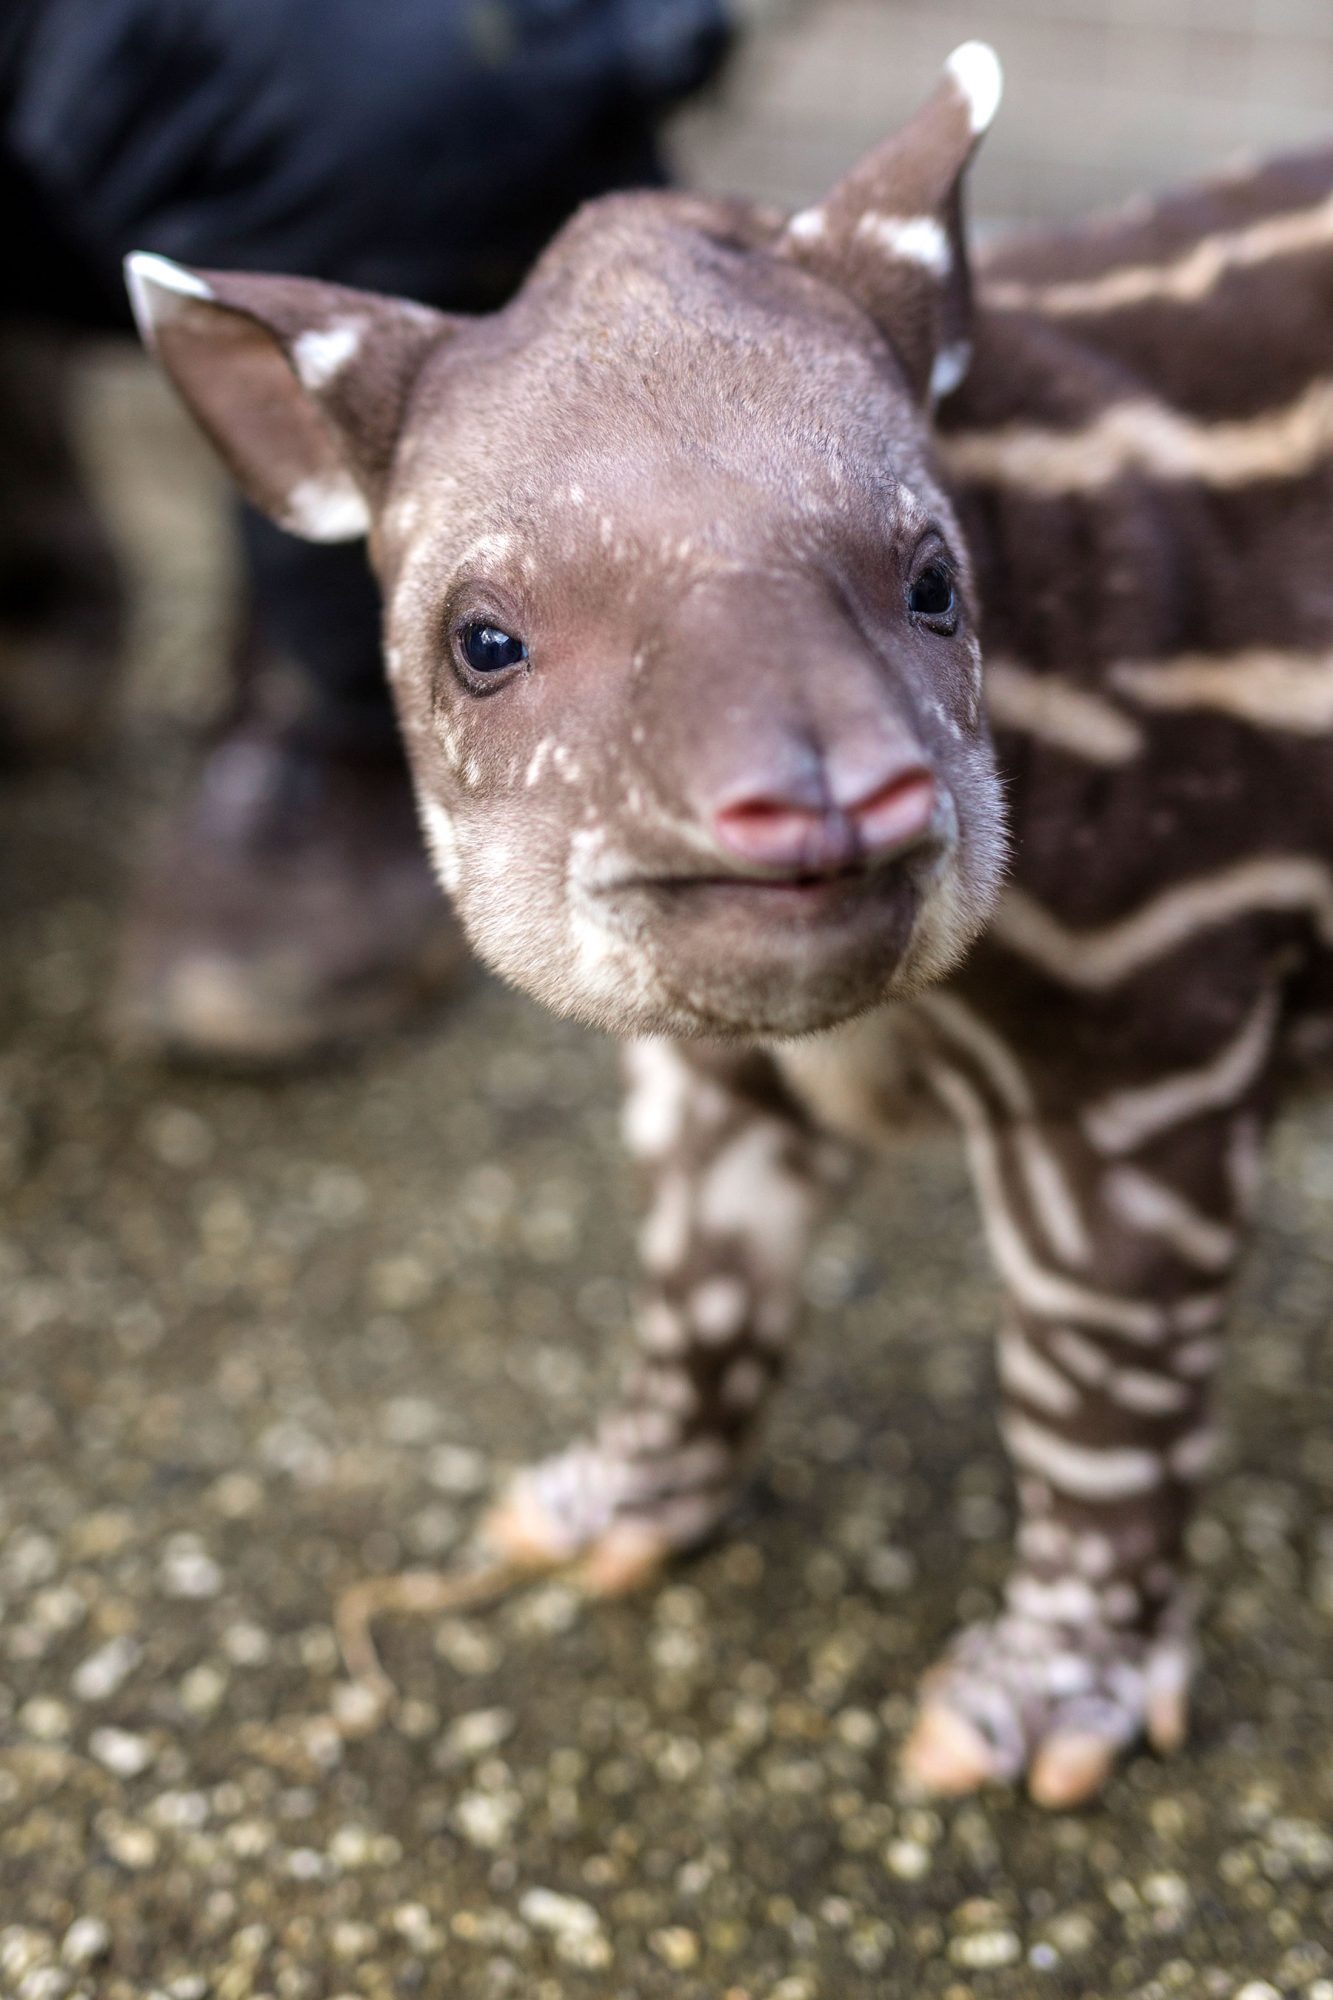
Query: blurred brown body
x=734, y=504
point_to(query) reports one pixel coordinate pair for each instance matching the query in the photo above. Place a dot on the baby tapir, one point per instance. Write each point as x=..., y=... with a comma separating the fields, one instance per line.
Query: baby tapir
x=689, y=555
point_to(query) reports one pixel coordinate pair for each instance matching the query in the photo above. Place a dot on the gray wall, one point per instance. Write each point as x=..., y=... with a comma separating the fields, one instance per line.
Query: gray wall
x=1103, y=98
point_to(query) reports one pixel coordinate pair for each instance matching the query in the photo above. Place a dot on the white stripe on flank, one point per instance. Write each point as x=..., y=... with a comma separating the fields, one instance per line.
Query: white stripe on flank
x=1026, y=1373
x=1081, y=1470
x=1150, y=1206
x=917, y=239
x=1068, y=717
x=1095, y=959
x=1141, y=436
x=1052, y=1198
x=1184, y=281
x=1043, y=1292
x=1123, y=1120
x=1259, y=685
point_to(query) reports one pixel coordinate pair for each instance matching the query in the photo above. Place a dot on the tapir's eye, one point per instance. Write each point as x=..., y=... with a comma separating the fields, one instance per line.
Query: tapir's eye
x=489, y=650
x=933, y=598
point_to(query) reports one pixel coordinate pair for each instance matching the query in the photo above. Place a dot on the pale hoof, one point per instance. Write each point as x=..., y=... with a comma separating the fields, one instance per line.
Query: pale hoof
x=521, y=1533
x=946, y=1756
x=1070, y=1768
x=1015, y=1698
x=1167, y=1719
x=625, y=1558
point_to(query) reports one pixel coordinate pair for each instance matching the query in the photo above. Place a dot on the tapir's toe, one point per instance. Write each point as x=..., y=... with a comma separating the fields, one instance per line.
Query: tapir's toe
x=629, y=1555
x=570, y=1509
x=1069, y=1767
x=1015, y=1699
x=945, y=1754
x=519, y=1532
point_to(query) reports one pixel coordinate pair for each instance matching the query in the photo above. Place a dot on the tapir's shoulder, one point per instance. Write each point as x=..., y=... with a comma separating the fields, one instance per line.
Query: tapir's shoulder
x=1155, y=229
x=1216, y=301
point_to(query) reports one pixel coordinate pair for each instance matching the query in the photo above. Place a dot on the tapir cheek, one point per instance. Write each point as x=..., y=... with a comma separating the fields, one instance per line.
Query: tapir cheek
x=437, y=823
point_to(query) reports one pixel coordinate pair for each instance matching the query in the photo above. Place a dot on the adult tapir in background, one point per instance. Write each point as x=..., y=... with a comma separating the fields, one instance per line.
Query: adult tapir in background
x=690, y=556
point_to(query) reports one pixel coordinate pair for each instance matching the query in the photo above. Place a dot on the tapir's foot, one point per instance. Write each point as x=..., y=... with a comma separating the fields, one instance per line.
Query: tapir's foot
x=1019, y=1697
x=588, y=1506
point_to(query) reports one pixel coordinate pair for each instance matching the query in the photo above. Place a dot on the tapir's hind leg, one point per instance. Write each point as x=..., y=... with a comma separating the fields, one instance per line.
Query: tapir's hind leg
x=736, y=1176
x=1116, y=1240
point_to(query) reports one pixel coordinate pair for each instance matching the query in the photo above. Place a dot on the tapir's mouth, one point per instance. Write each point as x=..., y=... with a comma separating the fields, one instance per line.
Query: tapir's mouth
x=818, y=895
x=762, y=919
x=857, y=882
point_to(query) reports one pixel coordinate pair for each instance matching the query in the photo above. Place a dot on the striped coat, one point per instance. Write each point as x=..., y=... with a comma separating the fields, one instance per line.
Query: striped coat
x=1139, y=462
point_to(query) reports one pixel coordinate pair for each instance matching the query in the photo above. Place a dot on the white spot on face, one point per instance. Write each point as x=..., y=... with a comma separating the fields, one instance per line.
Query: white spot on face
x=486, y=549
x=975, y=68
x=576, y=496
x=321, y=354
x=327, y=508
x=406, y=513
x=393, y=661
x=537, y=762
x=916, y=239
x=442, y=842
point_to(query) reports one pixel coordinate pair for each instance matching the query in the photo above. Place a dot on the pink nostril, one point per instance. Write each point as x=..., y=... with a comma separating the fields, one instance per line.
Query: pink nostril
x=770, y=831
x=896, y=814
x=777, y=833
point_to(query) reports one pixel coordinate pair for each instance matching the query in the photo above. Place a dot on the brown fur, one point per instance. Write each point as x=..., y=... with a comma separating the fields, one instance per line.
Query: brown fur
x=696, y=465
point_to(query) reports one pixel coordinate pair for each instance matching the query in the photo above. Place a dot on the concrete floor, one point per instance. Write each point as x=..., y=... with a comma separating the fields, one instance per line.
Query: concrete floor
x=262, y=1340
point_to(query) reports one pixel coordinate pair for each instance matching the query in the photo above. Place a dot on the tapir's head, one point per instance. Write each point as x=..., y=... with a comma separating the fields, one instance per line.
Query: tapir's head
x=679, y=620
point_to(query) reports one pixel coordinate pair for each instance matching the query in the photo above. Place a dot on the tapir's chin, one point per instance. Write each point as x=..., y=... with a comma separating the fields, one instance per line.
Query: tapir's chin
x=735, y=956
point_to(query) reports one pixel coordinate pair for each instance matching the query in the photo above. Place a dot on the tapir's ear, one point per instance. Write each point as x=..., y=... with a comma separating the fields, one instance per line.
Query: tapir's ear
x=302, y=386
x=891, y=232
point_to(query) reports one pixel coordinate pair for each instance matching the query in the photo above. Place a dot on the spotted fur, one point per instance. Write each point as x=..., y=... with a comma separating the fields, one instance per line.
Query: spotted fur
x=690, y=455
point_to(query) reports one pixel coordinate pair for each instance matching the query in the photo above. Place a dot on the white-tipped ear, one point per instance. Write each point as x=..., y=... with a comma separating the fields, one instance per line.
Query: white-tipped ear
x=891, y=232
x=156, y=287
x=302, y=386
x=975, y=68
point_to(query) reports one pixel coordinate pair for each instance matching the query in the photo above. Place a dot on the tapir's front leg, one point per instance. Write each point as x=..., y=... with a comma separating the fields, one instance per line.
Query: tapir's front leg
x=1115, y=1244
x=735, y=1176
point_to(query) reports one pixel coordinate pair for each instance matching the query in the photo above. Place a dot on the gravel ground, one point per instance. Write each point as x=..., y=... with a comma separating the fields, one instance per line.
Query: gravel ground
x=262, y=1340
